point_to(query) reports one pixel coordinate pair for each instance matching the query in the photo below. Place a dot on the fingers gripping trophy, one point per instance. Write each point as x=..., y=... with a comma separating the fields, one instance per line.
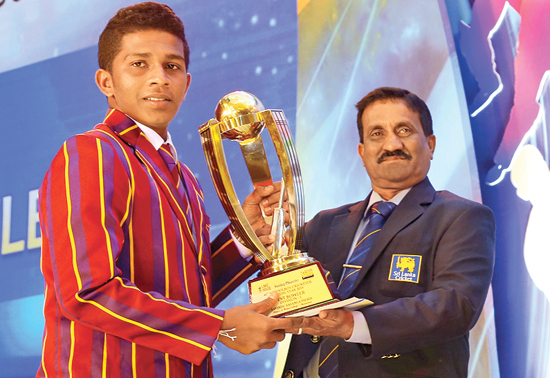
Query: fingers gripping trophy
x=301, y=282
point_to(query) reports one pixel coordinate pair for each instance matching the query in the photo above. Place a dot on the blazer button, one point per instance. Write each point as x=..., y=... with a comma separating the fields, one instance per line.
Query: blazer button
x=315, y=339
x=289, y=374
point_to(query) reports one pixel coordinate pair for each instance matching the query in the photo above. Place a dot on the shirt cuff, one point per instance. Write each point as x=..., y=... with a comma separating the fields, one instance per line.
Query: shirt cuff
x=245, y=252
x=361, y=333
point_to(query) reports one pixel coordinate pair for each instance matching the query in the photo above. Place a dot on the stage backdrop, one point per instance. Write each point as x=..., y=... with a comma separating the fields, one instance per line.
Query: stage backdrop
x=481, y=65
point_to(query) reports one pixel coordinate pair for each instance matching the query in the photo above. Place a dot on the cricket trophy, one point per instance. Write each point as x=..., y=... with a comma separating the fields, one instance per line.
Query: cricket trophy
x=301, y=282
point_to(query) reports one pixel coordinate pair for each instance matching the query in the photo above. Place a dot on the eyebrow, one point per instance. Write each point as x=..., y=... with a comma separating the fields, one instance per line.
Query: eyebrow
x=399, y=124
x=374, y=127
x=148, y=55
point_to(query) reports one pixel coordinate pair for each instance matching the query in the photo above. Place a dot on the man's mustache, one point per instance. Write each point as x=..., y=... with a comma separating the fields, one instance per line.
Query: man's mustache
x=388, y=154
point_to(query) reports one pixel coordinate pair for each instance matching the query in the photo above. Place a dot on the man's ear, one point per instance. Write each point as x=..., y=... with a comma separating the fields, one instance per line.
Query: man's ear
x=187, y=88
x=104, y=81
x=431, y=145
x=361, y=150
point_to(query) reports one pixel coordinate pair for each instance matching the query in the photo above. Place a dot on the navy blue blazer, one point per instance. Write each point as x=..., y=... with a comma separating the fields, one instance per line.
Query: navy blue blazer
x=420, y=321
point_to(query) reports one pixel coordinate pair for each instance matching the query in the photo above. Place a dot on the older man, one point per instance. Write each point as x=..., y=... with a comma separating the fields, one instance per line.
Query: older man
x=424, y=257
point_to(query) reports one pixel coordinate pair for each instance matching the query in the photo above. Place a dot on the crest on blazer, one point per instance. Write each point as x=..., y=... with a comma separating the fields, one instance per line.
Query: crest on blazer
x=405, y=268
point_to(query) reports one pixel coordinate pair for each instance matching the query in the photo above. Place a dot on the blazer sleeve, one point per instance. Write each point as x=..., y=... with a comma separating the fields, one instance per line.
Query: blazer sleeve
x=229, y=268
x=84, y=201
x=463, y=265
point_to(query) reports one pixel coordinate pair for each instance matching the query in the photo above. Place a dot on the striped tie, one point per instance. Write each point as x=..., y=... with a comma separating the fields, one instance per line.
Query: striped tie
x=166, y=153
x=376, y=217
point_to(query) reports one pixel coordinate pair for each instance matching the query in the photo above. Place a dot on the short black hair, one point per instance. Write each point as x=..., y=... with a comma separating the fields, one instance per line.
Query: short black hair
x=414, y=103
x=138, y=17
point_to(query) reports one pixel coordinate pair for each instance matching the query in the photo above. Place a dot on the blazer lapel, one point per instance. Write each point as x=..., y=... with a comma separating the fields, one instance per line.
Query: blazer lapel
x=341, y=236
x=410, y=208
x=196, y=202
x=144, y=151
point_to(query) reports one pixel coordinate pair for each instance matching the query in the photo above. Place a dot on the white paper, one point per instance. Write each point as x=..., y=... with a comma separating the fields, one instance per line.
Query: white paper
x=350, y=304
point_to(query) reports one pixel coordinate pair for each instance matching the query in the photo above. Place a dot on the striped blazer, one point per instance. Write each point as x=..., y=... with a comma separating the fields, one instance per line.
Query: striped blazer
x=130, y=278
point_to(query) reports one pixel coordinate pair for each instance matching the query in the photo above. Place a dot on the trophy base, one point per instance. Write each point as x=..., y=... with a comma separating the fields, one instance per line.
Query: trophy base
x=298, y=279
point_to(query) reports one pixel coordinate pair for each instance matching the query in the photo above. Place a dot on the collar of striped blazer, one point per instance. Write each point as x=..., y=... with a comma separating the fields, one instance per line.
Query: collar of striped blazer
x=123, y=125
x=127, y=130
x=131, y=134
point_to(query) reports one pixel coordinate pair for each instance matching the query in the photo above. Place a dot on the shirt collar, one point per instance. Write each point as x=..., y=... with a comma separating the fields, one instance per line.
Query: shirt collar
x=375, y=197
x=155, y=139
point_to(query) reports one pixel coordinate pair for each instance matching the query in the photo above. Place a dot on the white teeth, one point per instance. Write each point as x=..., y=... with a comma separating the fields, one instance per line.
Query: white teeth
x=155, y=99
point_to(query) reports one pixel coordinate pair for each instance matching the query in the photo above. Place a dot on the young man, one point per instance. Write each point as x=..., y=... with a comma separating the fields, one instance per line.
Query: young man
x=427, y=265
x=131, y=277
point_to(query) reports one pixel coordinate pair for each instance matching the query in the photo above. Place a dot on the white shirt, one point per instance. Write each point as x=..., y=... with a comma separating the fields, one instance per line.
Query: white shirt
x=156, y=140
x=361, y=333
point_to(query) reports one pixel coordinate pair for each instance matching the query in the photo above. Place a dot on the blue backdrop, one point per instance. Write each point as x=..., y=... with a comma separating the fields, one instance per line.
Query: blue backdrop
x=238, y=45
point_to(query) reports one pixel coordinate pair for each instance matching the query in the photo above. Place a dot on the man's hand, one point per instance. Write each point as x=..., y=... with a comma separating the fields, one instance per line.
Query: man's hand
x=329, y=323
x=266, y=198
x=253, y=330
